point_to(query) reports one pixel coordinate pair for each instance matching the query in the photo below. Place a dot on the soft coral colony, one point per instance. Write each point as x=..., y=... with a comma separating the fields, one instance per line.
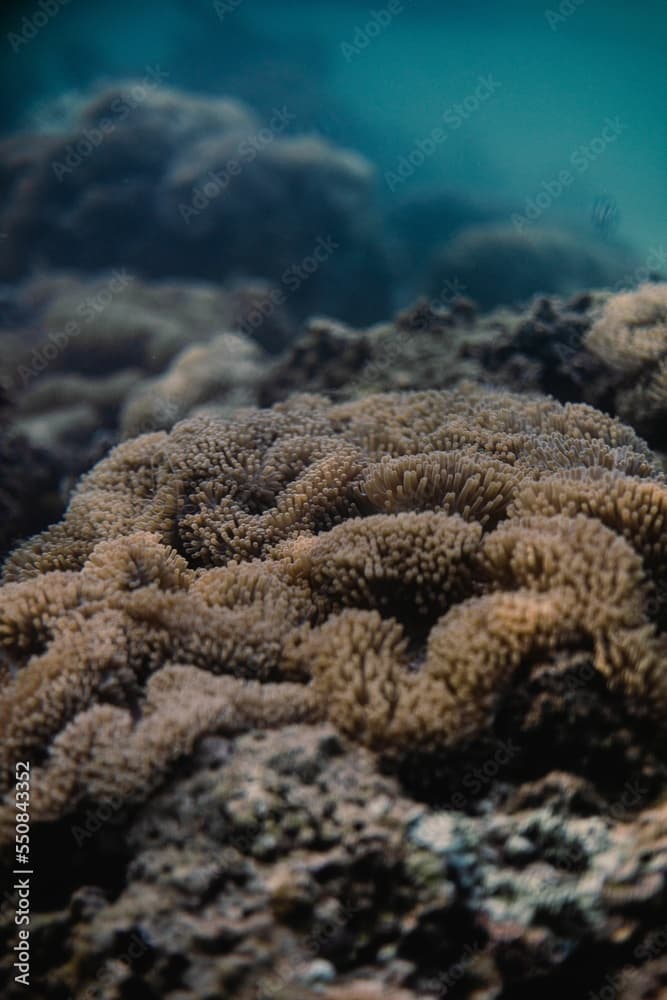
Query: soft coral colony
x=388, y=564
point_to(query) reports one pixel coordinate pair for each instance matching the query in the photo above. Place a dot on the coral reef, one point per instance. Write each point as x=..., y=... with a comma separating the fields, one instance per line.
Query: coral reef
x=605, y=349
x=167, y=184
x=547, y=346
x=630, y=339
x=73, y=417
x=81, y=351
x=227, y=369
x=390, y=564
x=109, y=323
x=426, y=346
x=334, y=649
x=435, y=344
x=73, y=396
x=123, y=373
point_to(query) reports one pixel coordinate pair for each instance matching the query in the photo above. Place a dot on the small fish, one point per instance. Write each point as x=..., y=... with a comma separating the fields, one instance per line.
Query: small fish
x=605, y=214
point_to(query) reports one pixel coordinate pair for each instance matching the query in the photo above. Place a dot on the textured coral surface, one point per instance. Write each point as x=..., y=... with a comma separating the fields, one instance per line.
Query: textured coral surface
x=333, y=652
x=155, y=352
x=391, y=565
x=347, y=700
x=630, y=338
x=600, y=348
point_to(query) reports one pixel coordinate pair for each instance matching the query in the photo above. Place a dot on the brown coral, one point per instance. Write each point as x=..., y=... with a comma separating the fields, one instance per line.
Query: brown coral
x=394, y=561
x=585, y=348
x=635, y=508
x=227, y=368
x=551, y=582
x=631, y=332
x=420, y=561
x=630, y=338
x=105, y=753
x=462, y=482
x=134, y=606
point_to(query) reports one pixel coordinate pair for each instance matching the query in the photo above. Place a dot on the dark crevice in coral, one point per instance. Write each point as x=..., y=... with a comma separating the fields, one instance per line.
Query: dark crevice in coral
x=587, y=729
x=591, y=970
x=438, y=943
x=93, y=840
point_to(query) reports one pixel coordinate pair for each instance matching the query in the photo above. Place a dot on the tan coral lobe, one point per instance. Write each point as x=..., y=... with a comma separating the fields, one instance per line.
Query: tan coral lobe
x=630, y=337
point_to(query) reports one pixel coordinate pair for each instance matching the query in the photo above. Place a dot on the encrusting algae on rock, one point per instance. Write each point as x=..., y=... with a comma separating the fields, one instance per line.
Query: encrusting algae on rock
x=388, y=565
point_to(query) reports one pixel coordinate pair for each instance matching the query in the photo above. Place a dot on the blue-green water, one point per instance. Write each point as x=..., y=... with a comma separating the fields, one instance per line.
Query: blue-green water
x=561, y=72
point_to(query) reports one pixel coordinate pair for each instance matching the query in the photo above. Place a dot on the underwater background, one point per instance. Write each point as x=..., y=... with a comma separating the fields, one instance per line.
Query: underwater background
x=333, y=500
x=382, y=84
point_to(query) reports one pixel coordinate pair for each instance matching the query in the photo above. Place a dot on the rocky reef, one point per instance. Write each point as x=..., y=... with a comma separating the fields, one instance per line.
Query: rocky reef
x=602, y=348
x=288, y=866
